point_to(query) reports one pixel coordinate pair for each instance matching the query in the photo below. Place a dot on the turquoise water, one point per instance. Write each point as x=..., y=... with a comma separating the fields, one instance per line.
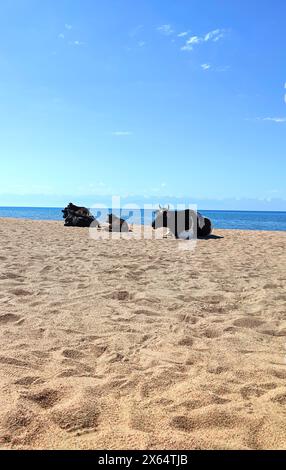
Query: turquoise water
x=221, y=219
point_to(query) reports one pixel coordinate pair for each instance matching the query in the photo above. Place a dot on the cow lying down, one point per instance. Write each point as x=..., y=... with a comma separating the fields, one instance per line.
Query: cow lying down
x=185, y=224
x=116, y=224
x=76, y=216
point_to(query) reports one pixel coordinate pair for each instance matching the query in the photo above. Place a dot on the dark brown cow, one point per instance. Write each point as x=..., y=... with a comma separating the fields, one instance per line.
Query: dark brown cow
x=76, y=216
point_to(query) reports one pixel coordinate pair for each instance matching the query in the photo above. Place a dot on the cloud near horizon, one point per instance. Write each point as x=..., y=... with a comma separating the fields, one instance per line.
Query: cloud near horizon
x=278, y=120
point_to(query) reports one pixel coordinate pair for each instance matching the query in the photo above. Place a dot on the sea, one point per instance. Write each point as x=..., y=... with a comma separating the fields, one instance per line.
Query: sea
x=242, y=220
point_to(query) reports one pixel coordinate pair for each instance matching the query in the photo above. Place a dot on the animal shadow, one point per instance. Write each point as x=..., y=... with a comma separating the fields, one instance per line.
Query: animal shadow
x=211, y=237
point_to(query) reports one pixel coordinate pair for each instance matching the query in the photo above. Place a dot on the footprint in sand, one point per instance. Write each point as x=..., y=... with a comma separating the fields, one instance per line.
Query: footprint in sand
x=202, y=418
x=21, y=426
x=121, y=295
x=186, y=341
x=45, y=398
x=148, y=313
x=211, y=299
x=279, y=373
x=81, y=417
x=271, y=285
x=212, y=333
x=72, y=354
x=71, y=373
x=77, y=367
x=279, y=398
x=46, y=269
x=216, y=369
x=187, y=318
x=11, y=276
x=8, y=318
x=35, y=304
x=29, y=380
x=140, y=421
x=196, y=404
x=13, y=362
x=247, y=322
x=143, y=300
x=250, y=391
x=21, y=292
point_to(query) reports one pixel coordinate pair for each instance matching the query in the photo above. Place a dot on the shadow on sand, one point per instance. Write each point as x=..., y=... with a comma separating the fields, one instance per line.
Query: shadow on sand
x=211, y=237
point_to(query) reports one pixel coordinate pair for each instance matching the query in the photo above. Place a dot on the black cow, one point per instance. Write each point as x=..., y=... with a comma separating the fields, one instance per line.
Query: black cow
x=78, y=216
x=183, y=224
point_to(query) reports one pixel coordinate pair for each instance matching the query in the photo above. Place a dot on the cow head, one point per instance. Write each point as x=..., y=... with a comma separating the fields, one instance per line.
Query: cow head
x=161, y=218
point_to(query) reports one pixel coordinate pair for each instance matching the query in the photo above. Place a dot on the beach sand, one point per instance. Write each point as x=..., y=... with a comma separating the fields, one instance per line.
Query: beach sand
x=133, y=344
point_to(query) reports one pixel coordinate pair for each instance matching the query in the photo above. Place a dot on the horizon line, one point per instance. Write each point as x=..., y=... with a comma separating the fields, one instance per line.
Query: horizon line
x=140, y=209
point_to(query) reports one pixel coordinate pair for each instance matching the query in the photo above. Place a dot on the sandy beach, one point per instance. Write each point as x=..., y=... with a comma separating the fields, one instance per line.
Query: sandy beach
x=137, y=344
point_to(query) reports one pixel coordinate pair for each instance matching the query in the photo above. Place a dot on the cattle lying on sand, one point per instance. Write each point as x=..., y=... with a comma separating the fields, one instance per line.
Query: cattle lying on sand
x=183, y=224
x=78, y=217
x=116, y=224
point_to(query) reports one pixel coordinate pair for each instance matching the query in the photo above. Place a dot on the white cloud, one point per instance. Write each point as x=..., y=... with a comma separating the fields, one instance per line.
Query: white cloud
x=213, y=36
x=222, y=68
x=194, y=40
x=183, y=34
x=187, y=47
x=76, y=43
x=122, y=133
x=274, y=119
x=141, y=43
x=191, y=42
x=166, y=29
x=61, y=36
x=277, y=120
x=68, y=26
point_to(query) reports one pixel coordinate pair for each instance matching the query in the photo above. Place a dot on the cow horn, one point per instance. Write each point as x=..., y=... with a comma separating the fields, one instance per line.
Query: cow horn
x=164, y=209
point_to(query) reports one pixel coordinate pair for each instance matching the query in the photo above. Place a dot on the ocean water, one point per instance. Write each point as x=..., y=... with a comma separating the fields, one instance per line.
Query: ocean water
x=242, y=220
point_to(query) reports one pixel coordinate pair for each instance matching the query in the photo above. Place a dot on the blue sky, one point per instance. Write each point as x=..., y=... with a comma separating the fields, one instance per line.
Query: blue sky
x=158, y=99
